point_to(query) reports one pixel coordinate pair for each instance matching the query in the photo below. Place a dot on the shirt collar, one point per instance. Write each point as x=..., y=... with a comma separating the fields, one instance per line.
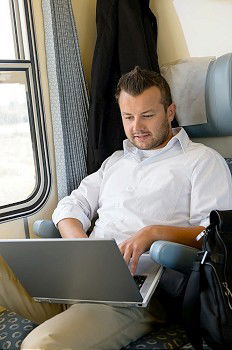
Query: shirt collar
x=179, y=134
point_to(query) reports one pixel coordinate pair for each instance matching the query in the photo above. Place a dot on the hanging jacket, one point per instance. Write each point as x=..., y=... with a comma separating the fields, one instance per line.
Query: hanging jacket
x=126, y=37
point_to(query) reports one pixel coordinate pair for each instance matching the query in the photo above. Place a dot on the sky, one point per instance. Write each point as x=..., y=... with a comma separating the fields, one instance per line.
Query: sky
x=8, y=92
x=11, y=93
x=7, y=44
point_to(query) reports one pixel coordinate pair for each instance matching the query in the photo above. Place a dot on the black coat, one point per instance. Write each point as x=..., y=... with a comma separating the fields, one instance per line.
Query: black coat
x=126, y=37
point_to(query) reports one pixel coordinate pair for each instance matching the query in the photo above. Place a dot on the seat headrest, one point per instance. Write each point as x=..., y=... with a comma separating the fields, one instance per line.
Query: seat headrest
x=218, y=100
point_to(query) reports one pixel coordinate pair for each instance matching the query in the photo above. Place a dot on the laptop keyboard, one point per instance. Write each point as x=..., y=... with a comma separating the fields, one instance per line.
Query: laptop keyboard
x=139, y=280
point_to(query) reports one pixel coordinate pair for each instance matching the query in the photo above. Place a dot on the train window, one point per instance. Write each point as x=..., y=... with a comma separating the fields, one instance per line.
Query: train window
x=24, y=167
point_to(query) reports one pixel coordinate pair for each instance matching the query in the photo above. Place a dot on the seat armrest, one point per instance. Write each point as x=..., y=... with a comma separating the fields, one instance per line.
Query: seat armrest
x=45, y=229
x=173, y=255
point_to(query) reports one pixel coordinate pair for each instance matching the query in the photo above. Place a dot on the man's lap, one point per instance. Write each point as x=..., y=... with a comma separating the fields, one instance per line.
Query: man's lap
x=91, y=326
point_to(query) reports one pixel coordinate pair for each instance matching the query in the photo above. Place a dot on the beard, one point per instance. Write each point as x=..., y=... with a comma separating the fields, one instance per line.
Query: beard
x=151, y=141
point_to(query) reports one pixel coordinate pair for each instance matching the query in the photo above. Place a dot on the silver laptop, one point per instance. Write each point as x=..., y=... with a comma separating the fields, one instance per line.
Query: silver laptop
x=80, y=270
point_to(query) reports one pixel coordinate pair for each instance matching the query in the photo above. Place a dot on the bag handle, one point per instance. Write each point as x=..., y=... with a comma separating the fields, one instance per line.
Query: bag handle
x=222, y=219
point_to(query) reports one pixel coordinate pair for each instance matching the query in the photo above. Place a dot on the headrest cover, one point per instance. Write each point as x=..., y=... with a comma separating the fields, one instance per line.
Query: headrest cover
x=218, y=100
x=187, y=79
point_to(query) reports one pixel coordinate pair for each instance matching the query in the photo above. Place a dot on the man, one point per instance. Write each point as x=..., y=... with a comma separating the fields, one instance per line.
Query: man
x=158, y=187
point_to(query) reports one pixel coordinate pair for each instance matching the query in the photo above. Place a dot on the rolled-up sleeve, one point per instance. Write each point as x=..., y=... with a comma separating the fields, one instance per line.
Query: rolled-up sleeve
x=82, y=204
x=211, y=188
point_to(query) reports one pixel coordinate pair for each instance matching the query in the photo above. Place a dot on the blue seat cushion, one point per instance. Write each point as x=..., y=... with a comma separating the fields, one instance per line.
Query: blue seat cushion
x=165, y=337
x=229, y=163
x=13, y=329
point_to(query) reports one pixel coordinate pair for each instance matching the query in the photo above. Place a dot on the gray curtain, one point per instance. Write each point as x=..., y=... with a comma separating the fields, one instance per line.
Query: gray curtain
x=68, y=94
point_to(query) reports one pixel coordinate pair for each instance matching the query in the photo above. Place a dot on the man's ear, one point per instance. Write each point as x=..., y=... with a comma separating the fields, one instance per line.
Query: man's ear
x=171, y=112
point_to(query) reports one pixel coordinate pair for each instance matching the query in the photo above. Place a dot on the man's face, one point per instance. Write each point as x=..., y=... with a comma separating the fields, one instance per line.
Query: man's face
x=145, y=122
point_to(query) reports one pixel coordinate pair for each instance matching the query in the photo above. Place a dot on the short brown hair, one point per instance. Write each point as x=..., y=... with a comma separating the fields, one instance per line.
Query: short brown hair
x=138, y=80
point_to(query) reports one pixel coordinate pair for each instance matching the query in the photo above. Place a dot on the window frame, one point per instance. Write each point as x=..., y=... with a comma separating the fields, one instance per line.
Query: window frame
x=36, y=115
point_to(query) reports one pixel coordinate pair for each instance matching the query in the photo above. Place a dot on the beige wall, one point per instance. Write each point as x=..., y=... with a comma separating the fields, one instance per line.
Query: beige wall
x=85, y=15
x=192, y=28
x=171, y=40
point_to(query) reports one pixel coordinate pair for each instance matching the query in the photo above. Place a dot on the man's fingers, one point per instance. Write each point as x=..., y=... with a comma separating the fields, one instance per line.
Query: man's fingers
x=131, y=254
x=134, y=262
x=127, y=254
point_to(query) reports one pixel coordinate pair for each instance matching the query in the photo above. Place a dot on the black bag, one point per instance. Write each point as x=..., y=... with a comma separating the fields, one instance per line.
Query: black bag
x=208, y=297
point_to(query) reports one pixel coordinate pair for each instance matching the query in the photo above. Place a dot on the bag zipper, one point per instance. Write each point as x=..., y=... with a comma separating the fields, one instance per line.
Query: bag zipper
x=200, y=235
x=219, y=283
x=204, y=233
x=228, y=293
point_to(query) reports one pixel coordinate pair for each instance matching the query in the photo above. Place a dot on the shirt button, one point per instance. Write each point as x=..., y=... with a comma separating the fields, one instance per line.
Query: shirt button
x=130, y=188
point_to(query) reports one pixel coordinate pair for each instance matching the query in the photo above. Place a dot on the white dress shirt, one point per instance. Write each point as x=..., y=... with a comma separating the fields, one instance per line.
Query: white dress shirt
x=176, y=185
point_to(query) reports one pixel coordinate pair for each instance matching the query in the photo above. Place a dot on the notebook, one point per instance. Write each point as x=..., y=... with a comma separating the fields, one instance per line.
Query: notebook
x=79, y=270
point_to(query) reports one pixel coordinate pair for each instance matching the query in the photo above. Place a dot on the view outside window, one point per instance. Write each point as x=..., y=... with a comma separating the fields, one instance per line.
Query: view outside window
x=24, y=167
x=7, y=51
x=17, y=168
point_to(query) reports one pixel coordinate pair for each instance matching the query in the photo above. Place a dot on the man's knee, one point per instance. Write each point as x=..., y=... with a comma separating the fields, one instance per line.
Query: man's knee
x=55, y=333
x=36, y=339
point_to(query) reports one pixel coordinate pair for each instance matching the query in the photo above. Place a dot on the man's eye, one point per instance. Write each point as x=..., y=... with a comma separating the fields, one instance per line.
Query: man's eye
x=129, y=117
x=148, y=116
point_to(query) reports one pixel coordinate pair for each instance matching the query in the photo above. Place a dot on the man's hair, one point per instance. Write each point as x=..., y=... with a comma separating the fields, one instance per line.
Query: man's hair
x=138, y=80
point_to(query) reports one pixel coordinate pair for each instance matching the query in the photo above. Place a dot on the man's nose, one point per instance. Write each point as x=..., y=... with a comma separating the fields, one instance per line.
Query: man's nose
x=138, y=124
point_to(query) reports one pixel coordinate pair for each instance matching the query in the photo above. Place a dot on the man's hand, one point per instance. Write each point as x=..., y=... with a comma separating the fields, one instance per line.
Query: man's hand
x=141, y=241
x=135, y=246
